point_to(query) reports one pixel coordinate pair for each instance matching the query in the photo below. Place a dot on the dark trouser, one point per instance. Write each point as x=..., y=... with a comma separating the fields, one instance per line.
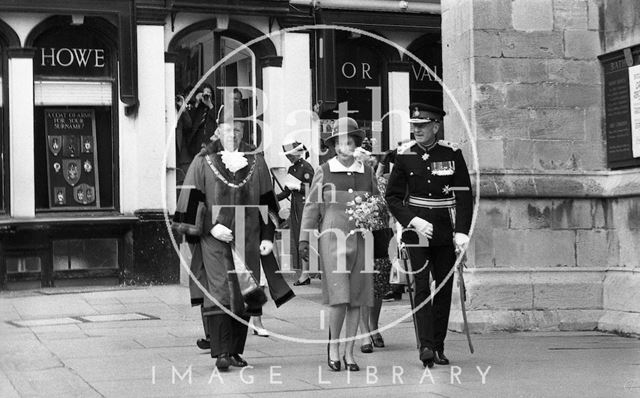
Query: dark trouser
x=433, y=318
x=227, y=334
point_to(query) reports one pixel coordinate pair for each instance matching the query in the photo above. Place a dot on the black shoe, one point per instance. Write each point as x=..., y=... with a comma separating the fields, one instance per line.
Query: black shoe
x=223, y=362
x=333, y=365
x=353, y=367
x=377, y=340
x=392, y=295
x=440, y=359
x=366, y=348
x=204, y=344
x=304, y=282
x=237, y=361
x=426, y=356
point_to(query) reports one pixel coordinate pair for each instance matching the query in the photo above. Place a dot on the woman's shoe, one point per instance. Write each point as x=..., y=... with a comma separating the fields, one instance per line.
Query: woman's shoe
x=304, y=282
x=262, y=332
x=377, y=340
x=366, y=348
x=204, y=344
x=333, y=365
x=353, y=367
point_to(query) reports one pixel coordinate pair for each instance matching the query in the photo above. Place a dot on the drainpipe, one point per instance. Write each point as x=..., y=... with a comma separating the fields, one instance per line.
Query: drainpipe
x=408, y=6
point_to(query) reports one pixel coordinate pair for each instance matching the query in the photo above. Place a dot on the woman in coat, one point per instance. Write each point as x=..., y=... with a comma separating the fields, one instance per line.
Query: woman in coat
x=336, y=183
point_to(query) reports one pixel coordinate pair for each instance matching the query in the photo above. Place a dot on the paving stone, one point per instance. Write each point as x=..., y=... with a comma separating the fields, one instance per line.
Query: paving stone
x=58, y=382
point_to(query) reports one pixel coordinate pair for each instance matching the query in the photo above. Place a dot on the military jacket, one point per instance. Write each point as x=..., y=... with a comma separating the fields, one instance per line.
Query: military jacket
x=432, y=184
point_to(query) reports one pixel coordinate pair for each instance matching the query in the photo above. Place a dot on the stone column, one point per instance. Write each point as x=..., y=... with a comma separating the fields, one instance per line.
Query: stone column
x=170, y=132
x=273, y=92
x=398, y=102
x=21, y=155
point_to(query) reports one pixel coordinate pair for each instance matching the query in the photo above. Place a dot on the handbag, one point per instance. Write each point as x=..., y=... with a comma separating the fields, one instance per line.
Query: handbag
x=398, y=274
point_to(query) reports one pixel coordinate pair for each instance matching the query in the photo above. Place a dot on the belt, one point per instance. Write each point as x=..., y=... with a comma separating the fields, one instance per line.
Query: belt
x=432, y=203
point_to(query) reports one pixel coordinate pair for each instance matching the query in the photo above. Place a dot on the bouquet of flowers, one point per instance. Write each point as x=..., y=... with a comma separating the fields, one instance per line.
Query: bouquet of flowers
x=368, y=211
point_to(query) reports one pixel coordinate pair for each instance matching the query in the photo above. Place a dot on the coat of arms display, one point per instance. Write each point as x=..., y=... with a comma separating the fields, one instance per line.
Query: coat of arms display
x=72, y=158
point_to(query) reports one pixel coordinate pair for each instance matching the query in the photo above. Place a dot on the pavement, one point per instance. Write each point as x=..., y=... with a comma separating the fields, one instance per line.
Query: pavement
x=140, y=342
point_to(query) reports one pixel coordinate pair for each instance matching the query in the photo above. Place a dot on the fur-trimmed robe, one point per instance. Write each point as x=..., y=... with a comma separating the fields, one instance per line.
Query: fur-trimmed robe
x=212, y=259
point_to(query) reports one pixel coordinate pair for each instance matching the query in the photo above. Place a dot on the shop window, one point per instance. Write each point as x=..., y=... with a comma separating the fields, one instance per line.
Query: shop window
x=423, y=86
x=17, y=265
x=81, y=254
x=75, y=137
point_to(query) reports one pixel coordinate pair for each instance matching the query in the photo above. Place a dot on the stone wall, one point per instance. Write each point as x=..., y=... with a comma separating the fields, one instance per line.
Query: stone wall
x=556, y=243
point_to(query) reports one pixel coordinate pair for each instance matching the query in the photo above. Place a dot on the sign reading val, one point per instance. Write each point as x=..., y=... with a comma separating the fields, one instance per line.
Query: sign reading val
x=72, y=160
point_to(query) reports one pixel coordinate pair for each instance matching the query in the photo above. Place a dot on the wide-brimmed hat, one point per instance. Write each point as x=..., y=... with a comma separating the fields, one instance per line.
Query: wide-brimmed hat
x=345, y=126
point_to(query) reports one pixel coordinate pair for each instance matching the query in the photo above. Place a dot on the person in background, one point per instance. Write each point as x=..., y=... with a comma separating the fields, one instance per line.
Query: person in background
x=299, y=177
x=204, y=121
x=369, y=316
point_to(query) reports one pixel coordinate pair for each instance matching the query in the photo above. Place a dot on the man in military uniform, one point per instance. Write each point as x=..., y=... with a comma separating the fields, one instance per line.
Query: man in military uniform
x=429, y=193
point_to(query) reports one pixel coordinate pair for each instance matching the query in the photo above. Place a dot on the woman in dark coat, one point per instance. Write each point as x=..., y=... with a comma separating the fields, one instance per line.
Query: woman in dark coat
x=299, y=177
x=337, y=182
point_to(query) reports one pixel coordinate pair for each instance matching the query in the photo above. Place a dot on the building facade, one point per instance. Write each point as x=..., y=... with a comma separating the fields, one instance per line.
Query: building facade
x=90, y=164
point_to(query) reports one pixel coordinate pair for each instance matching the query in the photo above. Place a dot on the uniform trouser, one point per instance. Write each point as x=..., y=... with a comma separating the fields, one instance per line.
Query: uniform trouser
x=433, y=317
x=227, y=334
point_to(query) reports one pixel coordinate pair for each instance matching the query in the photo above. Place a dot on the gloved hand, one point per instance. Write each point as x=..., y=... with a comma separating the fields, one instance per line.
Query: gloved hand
x=222, y=233
x=461, y=241
x=266, y=247
x=422, y=226
x=303, y=249
x=292, y=186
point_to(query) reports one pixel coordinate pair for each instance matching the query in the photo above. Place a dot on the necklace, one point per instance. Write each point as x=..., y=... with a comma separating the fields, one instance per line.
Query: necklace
x=221, y=177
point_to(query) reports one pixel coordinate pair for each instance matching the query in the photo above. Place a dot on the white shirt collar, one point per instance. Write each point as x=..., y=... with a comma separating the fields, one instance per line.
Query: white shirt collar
x=336, y=167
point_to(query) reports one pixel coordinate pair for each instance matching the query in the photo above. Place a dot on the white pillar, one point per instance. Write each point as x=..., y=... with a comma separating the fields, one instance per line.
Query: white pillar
x=296, y=93
x=398, y=107
x=128, y=170
x=272, y=129
x=170, y=138
x=150, y=123
x=22, y=189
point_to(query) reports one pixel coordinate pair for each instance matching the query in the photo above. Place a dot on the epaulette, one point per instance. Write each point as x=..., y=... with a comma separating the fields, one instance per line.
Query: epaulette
x=405, y=147
x=449, y=144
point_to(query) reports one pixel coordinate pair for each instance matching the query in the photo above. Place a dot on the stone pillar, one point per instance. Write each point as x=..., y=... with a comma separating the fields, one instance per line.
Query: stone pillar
x=273, y=93
x=398, y=100
x=150, y=120
x=20, y=102
x=553, y=222
x=170, y=132
x=296, y=94
x=155, y=259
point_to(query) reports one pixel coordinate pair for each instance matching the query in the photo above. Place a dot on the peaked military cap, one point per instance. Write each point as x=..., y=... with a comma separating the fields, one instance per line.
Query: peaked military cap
x=418, y=112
